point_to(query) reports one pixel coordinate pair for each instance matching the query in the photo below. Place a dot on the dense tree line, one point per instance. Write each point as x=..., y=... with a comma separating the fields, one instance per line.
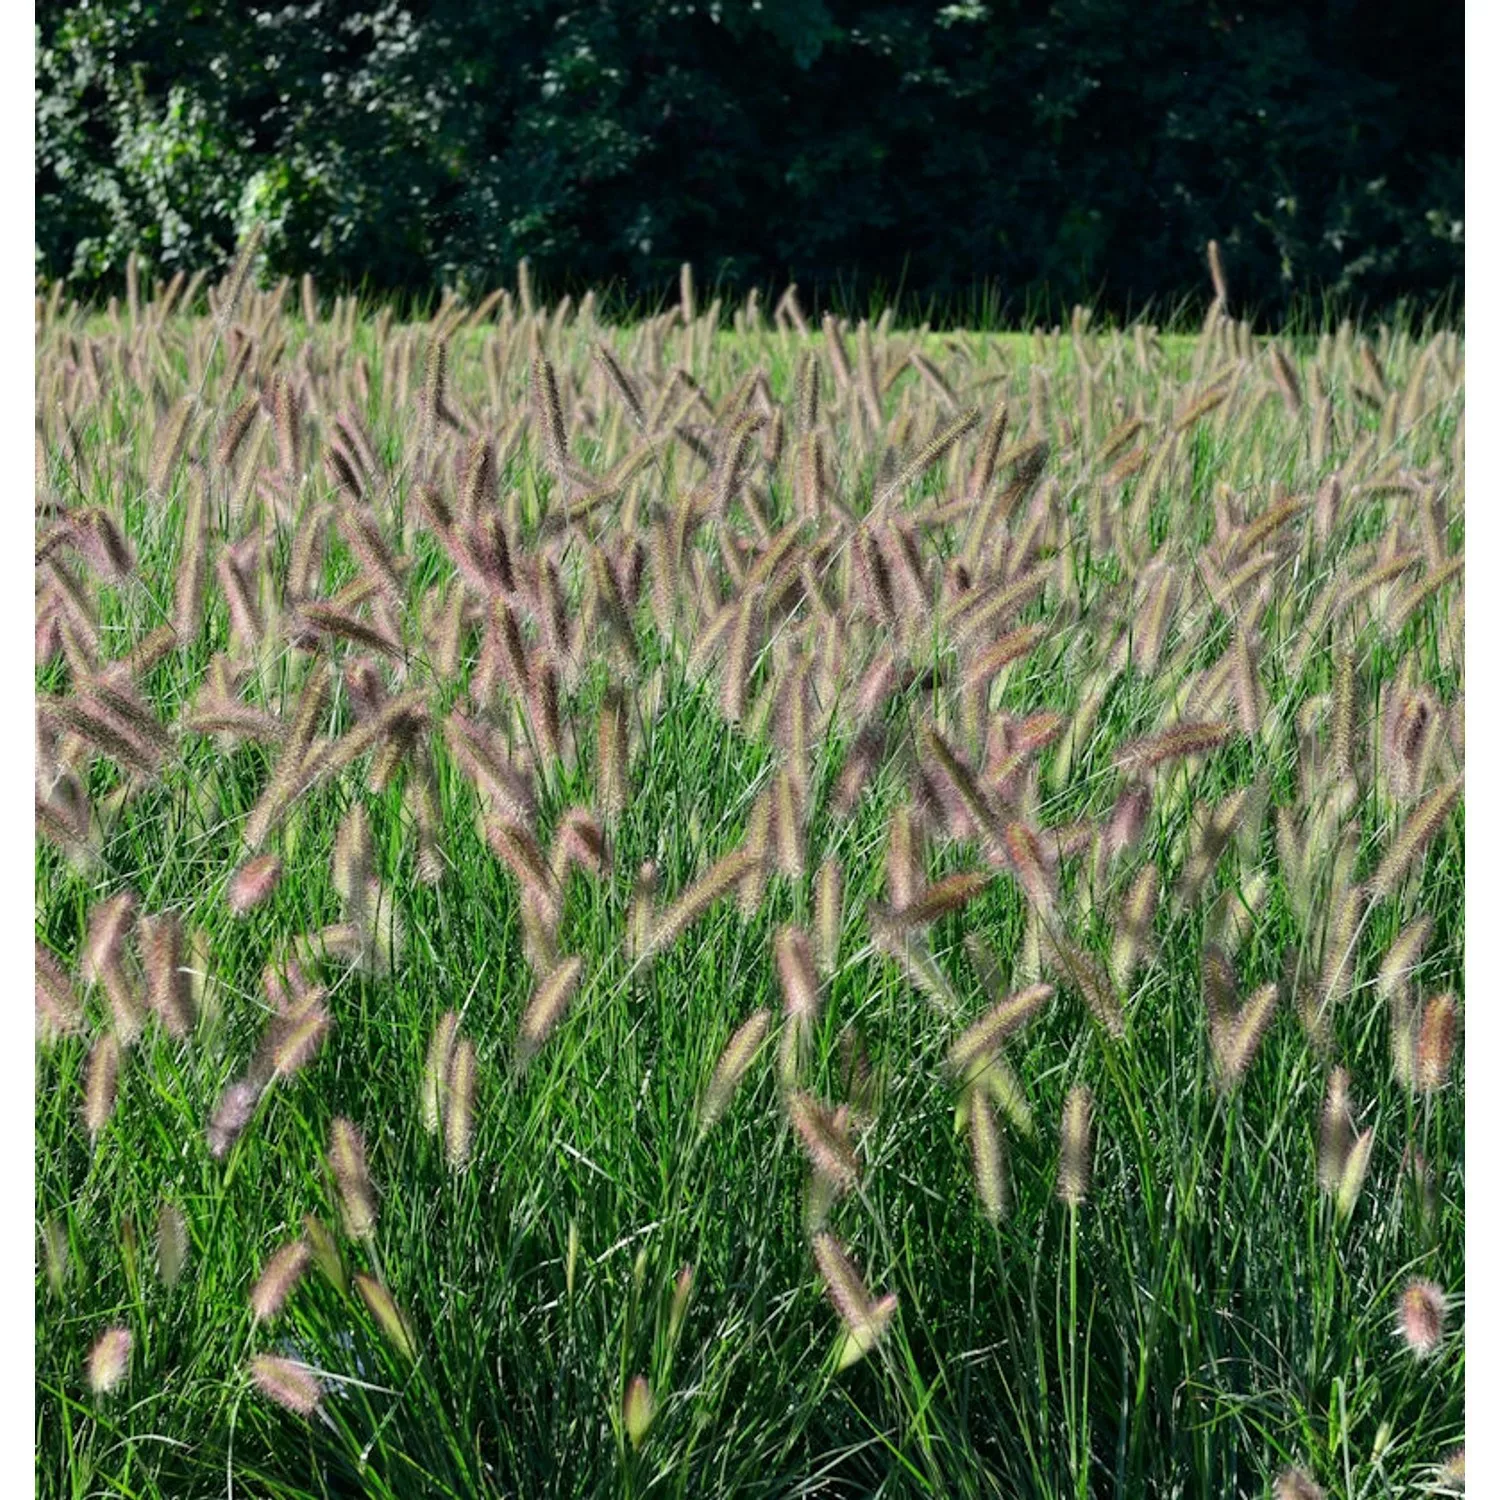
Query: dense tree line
x=1078, y=150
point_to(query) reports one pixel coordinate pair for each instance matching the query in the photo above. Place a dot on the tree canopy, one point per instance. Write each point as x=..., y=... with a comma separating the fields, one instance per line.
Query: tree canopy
x=1078, y=150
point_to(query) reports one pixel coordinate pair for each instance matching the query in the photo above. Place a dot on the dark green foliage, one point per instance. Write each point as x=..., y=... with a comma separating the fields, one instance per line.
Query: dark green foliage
x=1082, y=151
x=933, y=152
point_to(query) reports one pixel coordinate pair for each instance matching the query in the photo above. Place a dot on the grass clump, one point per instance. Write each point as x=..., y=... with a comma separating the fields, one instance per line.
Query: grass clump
x=667, y=910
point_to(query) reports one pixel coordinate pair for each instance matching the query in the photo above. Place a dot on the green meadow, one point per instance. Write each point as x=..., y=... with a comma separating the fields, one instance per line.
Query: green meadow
x=745, y=905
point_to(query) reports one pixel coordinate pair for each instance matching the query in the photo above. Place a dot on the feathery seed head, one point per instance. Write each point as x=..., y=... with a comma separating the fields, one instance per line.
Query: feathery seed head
x=1127, y=820
x=1220, y=986
x=828, y=901
x=548, y=1002
x=547, y=409
x=1335, y=1131
x=624, y=387
x=939, y=900
x=460, y=1103
x=346, y=1156
x=435, y=1071
x=794, y=967
x=1024, y=850
x=169, y=984
x=1076, y=1149
x=903, y=860
x=736, y=1057
x=641, y=918
x=1242, y=1035
x=1352, y=1179
x=293, y=1040
x=1435, y=1042
x=858, y=1341
x=58, y=1010
x=1171, y=744
x=639, y=1410
x=824, y=1139
x=288, y=1382
x=101, y=1083
x=353, y=856
x=58, y=1255
x=1416, y=833
x=110, y=925
x=1297, y=1484
x=281, y=1274
x=1401, y=959
x=383, y=1307
x=716, y=882
x=1423, y=1311
x=1080, y=969
x=109, y=1360
x=864, y=1322
x=988, y=1149
x=231, y=1116
x=1450, y=1473
x=253, y=883
x=985, y=1036
x=172, y=1243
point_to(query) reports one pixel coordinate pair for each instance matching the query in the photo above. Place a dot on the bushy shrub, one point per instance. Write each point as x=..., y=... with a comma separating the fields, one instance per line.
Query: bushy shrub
x=1085, y=151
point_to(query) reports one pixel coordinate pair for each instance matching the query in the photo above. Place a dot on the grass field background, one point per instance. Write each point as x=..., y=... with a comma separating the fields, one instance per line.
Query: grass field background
x=817, y=694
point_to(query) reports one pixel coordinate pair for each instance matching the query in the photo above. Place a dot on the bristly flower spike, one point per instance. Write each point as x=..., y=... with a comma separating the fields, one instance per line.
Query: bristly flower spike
x=288, y=1382
x=435, y=1071
x=346, y=1155
x=460, y=1101
x=1076, y=1151
x=1423, y=1311
x=253, y=883
x=109, y=1360
x=736, y=1057
x=281, y=1274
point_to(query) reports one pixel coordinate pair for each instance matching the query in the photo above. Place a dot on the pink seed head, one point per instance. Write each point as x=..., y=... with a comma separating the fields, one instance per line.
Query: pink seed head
x=1423, y=1307
x=109, y=1360
x=252, y=884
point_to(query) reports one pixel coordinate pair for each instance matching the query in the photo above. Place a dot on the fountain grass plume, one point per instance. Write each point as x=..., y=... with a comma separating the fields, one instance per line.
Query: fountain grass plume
x=169, y=990
x=1297, y=1484
x=109, y=1360
x=1423, y=1311
x=1072, y=965
x=1001, y=1021
x=172, y=1243
x=1437, y=1037
x=694, y=902
x=988, y=1147
x=824, y=1139
x=459, y=1099
x=796, y=972
x=864, y=1321
x=828, y=915
x=287, y=1382
x=739, y=1052
x=101, y=1083
x=253, y=884
x=346, y=1158
x=435, y=1071
x=545, y=1009
x=278, y=1279
x=392, y=1322
x=59, y=1011
x=1075, y=1151
x=1419, y=829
